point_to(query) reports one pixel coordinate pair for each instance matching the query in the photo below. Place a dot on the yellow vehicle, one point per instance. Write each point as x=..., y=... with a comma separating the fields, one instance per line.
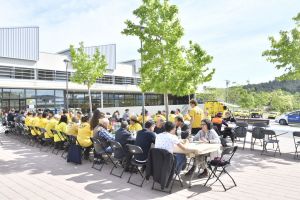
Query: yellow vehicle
x=273, y=115
x=214, y=107
x=237, y=113
x=244, y=113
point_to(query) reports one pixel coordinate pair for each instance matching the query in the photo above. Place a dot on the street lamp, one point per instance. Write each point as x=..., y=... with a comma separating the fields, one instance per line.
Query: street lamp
x=66, y=61
x=227, y=84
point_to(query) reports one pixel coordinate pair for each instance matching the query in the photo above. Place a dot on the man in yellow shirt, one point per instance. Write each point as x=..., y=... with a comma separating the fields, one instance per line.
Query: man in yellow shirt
x=196, y=115
x=84, y=136
x=35, y=123
x=51, y=125
x=134, y=124
x=146, y=118
x=28, y=119
x=172, y=116
x=159, y=115
x=73, y=127
x=178, y=113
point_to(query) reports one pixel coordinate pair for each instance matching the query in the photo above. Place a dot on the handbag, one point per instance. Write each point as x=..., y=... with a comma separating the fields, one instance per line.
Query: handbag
x=74, y=154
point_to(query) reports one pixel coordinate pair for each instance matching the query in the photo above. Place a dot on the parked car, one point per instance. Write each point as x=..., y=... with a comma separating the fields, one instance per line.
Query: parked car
x=273, y=115
x=244, y=113
x=289, y=118
x=237, y=113
x=256, y=114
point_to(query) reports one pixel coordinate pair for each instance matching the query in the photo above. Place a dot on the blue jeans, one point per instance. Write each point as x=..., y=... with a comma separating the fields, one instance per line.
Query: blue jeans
x=180, y=162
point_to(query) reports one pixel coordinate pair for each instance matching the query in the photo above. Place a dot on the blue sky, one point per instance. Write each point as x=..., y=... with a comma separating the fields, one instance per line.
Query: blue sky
x=234, y=32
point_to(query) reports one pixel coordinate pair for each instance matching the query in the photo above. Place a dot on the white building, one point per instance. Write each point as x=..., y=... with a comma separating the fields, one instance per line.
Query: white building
x=30, y=79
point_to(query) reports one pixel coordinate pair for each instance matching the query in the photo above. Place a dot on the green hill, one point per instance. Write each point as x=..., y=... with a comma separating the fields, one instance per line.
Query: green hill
x=289, y=86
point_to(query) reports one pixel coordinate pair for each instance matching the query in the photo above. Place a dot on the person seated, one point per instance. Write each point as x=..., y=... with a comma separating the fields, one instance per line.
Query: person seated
x=122, y=135
x=78, y=116
x=178, y=112
x=182, y=127
x=28, y=119
x=160, y=126
x=43, y=121
x=84, y=136
x=229, y=117
x=146, y=118
x=73, y=127
x=51, y=125
x=172, y=116
x=158, y=116
x=103, y=135
x=206, y=135
x=144, y=139
x=36, y=123
x=218, y=121
x=60, y=127
x=167, y=140
x=134, y=124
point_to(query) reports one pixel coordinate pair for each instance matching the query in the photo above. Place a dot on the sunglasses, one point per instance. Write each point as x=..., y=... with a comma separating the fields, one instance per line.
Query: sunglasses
x=203, y=124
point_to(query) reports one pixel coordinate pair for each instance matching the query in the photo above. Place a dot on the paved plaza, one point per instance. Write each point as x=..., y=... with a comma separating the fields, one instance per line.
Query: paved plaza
x=27, y=173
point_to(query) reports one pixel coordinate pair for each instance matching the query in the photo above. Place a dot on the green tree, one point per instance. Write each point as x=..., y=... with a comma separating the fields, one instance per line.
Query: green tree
x=281, y=101
x=167, y=66
x=87, y=68
x=285, y=52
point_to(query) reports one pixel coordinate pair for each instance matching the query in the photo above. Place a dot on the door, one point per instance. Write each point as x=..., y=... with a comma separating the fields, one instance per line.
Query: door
x=294, y=117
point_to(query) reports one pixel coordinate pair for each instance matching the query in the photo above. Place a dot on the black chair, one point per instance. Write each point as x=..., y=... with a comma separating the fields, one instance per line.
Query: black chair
x=67, y=143
x=55, y=132
x=134, y=150
x=270, y=138
x=296, y=136
x=259, y=125
x=119, y=156
x=257, y=134
x=100, y=153
x=241, y=132
x=220, y=165
x=45, y=141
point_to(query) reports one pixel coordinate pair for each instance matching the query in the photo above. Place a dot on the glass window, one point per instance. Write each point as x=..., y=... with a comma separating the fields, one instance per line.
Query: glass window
x=59, y=93
x=45, y=74
x=17, y=93
x=6, y=93
x=30, y=93
x=24, y=73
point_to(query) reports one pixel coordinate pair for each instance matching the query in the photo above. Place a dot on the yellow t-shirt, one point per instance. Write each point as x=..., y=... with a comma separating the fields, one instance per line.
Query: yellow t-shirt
x=51, y=125
x=84, y=135
x=134, y=127
x=35, y=122
x=140, y=118
x=28, y=120
x=156, y=117
x=196, y=114
x=72, y=129
x=172, y=118
x=43, y=123
x=62, y=127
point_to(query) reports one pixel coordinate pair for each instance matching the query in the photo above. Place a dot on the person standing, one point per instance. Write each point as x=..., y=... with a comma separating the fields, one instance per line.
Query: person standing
x=196, y=115
x=126, y=115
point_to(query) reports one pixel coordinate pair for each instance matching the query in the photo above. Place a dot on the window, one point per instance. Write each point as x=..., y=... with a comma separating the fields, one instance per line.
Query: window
x=60, y=76
x=59, y=93
x=30, y=93
x=6, y=72
x=24, y=73
x=106, y=79
x=45, y=75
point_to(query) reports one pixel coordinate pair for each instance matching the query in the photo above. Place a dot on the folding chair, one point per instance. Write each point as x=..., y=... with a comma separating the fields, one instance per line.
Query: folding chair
x=55, y=132
x=296, y=136
x=119, y=156
x=134, y=151
x=45, y=141
x=241, y=132
x=257, y=134
x=220, y=165
x=99, y=151
x=67, y=143
x=270, y=137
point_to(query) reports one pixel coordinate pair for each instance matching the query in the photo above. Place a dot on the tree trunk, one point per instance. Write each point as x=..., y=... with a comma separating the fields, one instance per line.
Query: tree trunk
x=90, y=102
x=166, y=101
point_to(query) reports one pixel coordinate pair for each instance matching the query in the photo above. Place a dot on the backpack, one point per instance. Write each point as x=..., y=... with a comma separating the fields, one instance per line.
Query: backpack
x=74, y=154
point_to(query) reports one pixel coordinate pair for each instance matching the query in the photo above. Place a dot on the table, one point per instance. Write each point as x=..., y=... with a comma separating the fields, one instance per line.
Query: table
x=197, y=148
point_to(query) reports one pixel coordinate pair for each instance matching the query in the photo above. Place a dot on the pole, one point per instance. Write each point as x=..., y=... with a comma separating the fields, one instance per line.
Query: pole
x=227, y=83
x=67, y=87
x=143, y=94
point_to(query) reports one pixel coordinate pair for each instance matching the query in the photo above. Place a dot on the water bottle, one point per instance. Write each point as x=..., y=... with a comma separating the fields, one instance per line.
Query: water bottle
x=179, y=132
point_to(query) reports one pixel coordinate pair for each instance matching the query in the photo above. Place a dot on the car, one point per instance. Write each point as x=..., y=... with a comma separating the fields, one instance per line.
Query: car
x=288, y=118
x=244, y=113
x=273, y=115
x=237, y=113
x=256, y=114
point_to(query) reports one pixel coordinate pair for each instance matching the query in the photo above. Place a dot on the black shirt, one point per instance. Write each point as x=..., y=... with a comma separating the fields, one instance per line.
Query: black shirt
x=159, y=130
x=144, y=139
x=122, y=136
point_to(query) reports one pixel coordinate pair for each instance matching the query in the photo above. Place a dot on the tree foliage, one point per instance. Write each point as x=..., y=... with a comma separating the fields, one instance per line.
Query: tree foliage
x=87, y=68
x=167, y=66
x=285, y=52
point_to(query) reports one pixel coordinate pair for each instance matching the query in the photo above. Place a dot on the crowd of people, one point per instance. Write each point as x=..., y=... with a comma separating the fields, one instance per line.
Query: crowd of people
x=129, y=129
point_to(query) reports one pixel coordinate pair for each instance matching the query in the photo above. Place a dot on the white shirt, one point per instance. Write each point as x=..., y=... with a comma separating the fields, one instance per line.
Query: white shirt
x=166, y=141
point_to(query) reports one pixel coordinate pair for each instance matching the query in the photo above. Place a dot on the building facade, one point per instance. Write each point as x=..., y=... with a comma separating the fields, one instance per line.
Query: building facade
x=30, y=79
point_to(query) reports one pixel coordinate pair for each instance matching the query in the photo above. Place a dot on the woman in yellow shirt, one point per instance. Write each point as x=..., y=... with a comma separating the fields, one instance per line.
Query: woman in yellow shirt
x=43, y=122
x=134, y=124
x=51, y=125
x=60, y=127
x=73, y=127
x=84, y=136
